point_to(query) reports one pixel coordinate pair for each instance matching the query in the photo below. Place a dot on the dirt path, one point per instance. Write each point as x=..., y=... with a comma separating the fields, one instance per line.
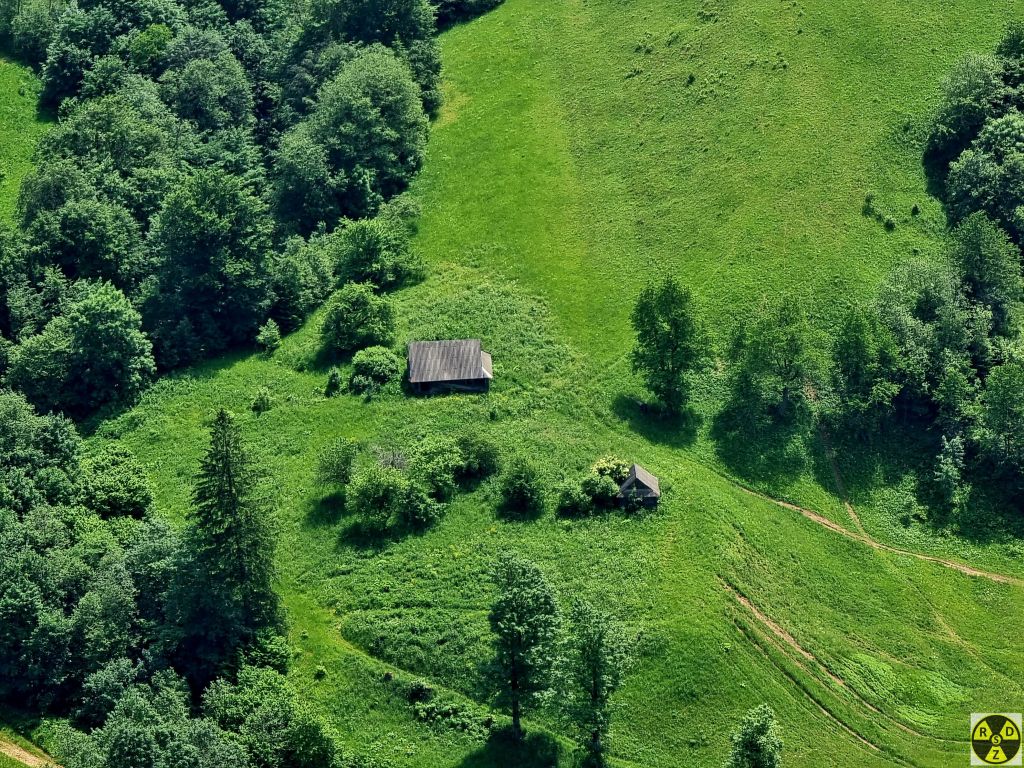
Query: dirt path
x=786, y=643
x=13, y=751
x=865, y=538
x=826, y=441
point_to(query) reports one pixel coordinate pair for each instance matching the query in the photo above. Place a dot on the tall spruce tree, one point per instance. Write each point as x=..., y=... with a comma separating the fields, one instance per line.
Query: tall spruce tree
x=224, y=597
x=525, y=620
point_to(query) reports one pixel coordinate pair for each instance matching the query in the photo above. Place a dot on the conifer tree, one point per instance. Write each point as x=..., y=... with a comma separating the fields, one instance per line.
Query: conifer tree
x=224, y=595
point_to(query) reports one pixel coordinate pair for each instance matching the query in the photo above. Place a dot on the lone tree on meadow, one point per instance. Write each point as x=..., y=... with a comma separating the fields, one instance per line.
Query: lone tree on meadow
x=224, y=597
x=525, y=620
x=597, y=655
x=757, y=743
x=670, y=341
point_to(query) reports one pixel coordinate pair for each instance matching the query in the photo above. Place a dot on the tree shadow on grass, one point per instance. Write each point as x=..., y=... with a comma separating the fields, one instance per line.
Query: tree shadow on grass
x=760, y=450
x=325, y=511
x=676, y=431
x=538, y=750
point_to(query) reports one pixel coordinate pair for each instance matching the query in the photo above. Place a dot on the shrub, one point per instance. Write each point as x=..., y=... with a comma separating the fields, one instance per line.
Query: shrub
x=114, y=484
x=269, y=337
x=420, y=510
x=435, y=464
x=573, y=502
x=600, y=489
x=480, y=457
x=610, y=466
x=333, y=382
x=377, y=251
x=522, y=493
x=262, y=402
x=373, y=368
x=358, y=318
x=377, y=496
x=303, y=276
x=334, y=463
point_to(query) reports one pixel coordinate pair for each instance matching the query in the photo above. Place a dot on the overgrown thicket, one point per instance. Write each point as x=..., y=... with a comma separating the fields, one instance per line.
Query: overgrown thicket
x=216, y=165
x=150, y=645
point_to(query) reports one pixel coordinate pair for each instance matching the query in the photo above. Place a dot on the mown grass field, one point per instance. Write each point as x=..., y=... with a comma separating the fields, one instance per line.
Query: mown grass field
x=20, y=129
x=573, y=161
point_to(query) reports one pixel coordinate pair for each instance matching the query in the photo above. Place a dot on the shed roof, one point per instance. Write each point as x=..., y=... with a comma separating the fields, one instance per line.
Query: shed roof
x=459, y=360
x=641, y=475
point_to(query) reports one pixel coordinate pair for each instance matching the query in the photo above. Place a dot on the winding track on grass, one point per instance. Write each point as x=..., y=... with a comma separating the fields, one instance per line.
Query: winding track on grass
x=23, y=756
x=867, y=539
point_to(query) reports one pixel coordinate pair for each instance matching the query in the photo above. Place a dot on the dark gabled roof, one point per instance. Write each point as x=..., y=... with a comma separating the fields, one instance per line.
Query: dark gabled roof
x=638, y=474
x=435, y=361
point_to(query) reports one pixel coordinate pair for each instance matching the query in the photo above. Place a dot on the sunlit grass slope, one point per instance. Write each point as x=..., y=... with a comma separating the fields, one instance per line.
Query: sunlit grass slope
x=574, y=160
x=20, y=129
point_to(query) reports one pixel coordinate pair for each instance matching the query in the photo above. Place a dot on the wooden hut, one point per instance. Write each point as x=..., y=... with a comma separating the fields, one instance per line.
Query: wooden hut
x=449, y=366
x=640, y=486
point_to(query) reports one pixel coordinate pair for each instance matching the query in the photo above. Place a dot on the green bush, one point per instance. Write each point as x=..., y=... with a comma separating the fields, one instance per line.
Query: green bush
x=435, y=464
x=114, y=484
x=377, y=497
x=373, y=369
x=522, y=492
x=480, y=456
x=358, y=318
x=610, y=466
x=377, y=251
x=333, y=382
x=600, y=489
x=573, y=502
x=263, y=401
x=303, y=276
x=334, y=463
x=269, y=337
x=420, y=509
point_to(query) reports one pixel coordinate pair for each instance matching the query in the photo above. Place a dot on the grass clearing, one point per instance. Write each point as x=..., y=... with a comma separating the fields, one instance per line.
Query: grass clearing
x=574, y=159
x=21, y=126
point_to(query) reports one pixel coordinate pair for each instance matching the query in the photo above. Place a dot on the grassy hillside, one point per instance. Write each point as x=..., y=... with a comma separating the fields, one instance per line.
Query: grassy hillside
x=20, y=126
x=573, y=160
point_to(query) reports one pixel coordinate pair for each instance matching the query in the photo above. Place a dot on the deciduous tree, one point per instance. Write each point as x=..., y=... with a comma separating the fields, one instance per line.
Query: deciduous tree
x=670, y=341
x=524, y=619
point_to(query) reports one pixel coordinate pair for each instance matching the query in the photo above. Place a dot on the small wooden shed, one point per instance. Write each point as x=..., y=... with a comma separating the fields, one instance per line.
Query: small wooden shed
x=640, y=485
x=449, y=366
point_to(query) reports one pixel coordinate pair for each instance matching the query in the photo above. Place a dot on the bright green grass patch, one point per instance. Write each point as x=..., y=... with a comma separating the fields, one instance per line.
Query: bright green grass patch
x=575, y=153
x=21, y=125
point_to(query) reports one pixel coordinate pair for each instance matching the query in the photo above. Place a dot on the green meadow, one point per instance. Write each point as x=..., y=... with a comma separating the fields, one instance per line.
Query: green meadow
x=585, y=148
x=20, y=129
